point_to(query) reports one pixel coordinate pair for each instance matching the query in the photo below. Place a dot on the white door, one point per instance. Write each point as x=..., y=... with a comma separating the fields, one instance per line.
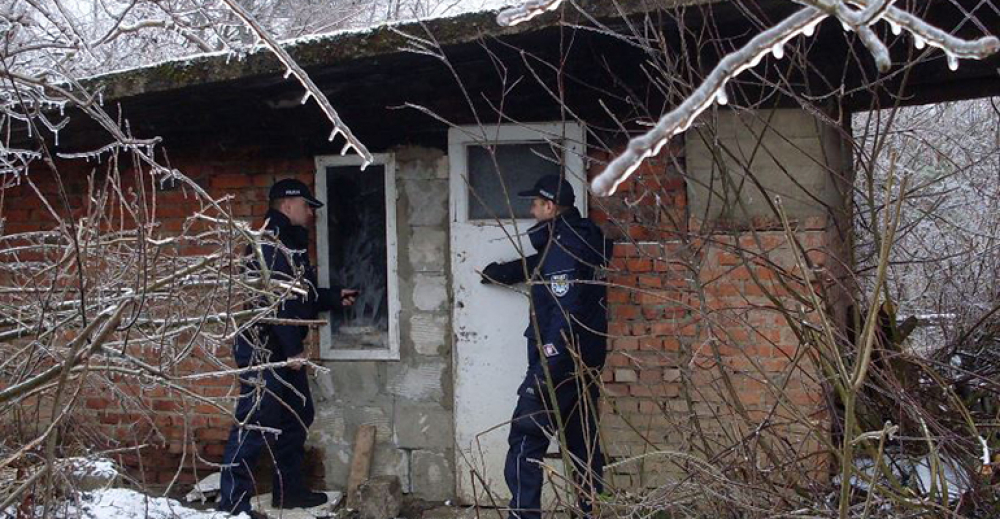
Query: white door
x=490, y=353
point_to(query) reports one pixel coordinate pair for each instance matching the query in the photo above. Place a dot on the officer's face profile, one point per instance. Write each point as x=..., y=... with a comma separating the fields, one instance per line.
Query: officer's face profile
x=543, y=209
x=298, y=211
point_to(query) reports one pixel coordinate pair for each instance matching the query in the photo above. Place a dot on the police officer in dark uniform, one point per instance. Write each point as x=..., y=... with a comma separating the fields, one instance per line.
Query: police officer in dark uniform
x=278, y=398
x=566, y=345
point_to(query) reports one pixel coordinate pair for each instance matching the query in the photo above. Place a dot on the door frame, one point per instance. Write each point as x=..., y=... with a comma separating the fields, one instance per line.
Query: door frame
x=572, y=135
x=388, y=161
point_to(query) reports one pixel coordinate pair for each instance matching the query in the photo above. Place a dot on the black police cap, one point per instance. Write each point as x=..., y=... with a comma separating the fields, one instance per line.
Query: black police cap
x=552, y=188
x=291, y=187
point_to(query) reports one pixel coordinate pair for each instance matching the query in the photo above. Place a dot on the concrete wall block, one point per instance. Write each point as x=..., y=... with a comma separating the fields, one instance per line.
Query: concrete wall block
x=355, y=382
x=428, y=202
x=337, y=464
x=423, y=427
x=329, y=426
x=415, y=162
x=431, y=333
x=392, y=461
x=379, y=416
x=428, y=249
x=432, y=475
x=796, y=145
x=430, y=292
x=422, y=380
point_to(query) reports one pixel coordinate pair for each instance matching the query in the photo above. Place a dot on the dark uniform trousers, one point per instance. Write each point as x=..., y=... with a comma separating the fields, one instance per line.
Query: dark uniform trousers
x=534, y=422
x=277, y=399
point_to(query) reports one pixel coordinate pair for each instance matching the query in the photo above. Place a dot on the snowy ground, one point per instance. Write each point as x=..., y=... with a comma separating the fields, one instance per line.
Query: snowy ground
x=121, y=503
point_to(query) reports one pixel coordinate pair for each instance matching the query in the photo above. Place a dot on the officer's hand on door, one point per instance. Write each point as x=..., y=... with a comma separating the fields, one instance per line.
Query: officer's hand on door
x=348, y=296
x=490, y=273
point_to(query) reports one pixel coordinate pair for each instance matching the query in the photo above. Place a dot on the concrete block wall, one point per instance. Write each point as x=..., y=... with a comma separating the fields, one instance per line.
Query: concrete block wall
x=410, y=400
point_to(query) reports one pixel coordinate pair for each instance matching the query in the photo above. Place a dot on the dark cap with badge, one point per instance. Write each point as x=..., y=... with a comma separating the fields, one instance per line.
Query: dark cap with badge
x=552, y=188
x=292, y=187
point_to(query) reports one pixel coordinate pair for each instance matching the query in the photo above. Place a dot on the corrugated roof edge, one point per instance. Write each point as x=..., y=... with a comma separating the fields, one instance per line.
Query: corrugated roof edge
x=338, y=47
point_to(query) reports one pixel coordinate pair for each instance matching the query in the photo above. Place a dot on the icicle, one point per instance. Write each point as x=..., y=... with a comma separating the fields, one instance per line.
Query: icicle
x=810, y=30
x=721, y=97
x=778, y=50
x=288, y=73
x=896, y=28
x=333, y=134
x=306, y=97
x=919, y=42
x=55, y=134
x=756, y=60
x=347, y=147
x=952, y=61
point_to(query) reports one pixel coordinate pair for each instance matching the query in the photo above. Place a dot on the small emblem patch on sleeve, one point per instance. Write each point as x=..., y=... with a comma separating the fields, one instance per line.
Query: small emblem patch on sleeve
x=560, y=284
x=550, y=350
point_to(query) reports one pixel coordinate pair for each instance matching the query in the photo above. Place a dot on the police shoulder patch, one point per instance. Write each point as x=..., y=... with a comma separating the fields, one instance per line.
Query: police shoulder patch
x=560, y=284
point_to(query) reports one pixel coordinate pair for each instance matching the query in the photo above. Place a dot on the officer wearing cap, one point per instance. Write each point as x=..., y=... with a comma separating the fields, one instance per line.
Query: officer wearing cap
x=279, y=398
x=567, y=345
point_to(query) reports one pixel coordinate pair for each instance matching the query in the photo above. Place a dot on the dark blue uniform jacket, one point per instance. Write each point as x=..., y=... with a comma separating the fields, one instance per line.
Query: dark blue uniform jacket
x=567, y=298
x=279, y=341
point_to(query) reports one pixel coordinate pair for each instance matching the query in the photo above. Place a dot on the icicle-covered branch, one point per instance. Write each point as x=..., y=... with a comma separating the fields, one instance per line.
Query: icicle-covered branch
x=293, y=68
x=772, y=41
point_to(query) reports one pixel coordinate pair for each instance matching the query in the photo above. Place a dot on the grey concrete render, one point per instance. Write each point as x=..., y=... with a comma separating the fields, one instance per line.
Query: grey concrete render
x=789, y=152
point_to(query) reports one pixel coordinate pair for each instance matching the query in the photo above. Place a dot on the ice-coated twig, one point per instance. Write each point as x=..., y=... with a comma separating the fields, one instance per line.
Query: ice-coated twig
x=772, y=40
x=312, y=90
x=680, y=119
x=526, y=11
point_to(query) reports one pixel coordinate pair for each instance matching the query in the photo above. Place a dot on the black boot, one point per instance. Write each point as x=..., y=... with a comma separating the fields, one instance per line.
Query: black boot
x=299, y=500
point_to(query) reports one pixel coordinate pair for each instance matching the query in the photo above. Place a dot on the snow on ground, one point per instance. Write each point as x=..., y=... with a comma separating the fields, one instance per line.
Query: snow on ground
x=121, y=503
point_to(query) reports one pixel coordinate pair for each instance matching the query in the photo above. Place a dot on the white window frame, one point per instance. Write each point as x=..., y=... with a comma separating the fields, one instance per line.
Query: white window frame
x=461, y=137
x=327, y=351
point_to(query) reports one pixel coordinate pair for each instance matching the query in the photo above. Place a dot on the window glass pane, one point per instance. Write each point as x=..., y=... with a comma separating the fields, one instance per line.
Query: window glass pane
x=357, y=234
x=520, y=165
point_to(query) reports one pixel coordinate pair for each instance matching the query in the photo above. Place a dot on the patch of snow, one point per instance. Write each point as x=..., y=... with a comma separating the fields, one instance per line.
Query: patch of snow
x=121, y=503
x=954, y=477
x=97, y=467
x=915, y=473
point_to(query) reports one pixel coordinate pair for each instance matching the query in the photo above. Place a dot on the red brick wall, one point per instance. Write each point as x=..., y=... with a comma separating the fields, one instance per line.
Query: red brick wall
x=702, y=357
x=180, y=432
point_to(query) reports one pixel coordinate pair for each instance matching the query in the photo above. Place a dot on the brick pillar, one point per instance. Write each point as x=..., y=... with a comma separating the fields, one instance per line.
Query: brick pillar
x=704, y=362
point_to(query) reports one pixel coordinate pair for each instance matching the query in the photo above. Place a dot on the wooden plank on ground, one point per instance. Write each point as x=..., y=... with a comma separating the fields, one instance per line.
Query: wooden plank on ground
x=361, y=460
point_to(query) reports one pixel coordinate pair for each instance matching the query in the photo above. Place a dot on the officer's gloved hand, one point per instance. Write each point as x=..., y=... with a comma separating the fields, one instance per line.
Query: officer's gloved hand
x=490, y=274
